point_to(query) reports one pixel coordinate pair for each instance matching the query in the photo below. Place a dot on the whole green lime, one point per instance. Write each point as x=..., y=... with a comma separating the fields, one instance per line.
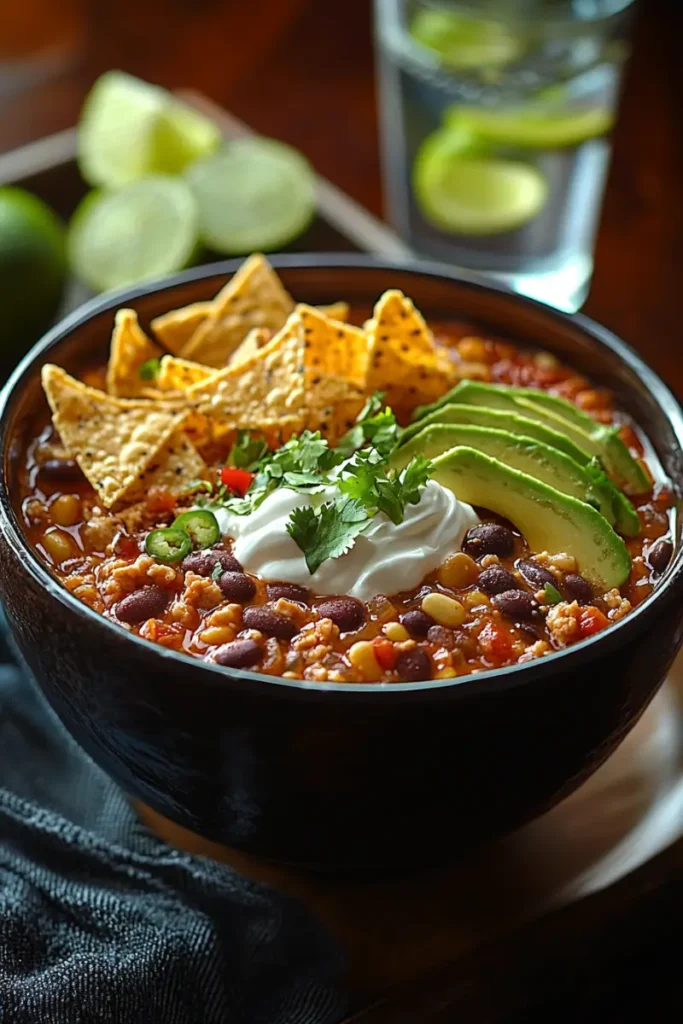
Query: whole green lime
x=32, y=271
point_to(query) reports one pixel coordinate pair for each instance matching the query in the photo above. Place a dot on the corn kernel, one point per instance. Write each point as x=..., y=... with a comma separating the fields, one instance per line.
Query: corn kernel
x=59, y=546
x=66, y=510
x=443, y=609
x=459, y=570
x=396, y=632
x=446, y=673
x=362, y=656
x=217, y=635
x=473, y=350
x=475, y=599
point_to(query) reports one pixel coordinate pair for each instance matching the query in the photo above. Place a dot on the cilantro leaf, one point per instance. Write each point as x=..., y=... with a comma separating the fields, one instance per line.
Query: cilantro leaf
x=149, y=369
x=413, y=479
x=374, y=424
x=247, y=451
x=327, y=532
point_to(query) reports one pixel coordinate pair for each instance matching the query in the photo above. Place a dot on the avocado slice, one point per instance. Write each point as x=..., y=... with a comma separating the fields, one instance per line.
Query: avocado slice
x=623, y=513
x=560, y=415
x=550, y=521
x=539, y=460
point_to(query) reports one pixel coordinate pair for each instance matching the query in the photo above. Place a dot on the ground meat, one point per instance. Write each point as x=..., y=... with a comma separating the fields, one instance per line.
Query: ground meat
x=536, y=650
x=201, y=592
x=618, y=605
x=315, y=642
x=99, y=532
x=563, y=623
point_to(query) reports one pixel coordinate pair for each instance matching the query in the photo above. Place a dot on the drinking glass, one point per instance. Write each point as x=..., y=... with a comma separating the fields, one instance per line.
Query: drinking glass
x=495, y=120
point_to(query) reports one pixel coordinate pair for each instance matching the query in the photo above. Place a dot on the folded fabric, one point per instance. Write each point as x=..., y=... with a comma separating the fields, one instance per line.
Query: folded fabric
x=102, y=921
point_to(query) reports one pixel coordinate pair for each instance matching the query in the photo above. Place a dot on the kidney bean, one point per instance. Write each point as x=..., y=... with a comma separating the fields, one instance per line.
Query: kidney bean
x=488, y=539
x=237, y=586
x=414, y=665
x=61, y=469
x=660, y=554
x=416, y=622
x=497, y=580
x=536, y=575
x=269, y=622
x=238, y=654
x=345, y=612
x=516, y=605
x=576, y=588
x=203, y=563
x=443, y=636
x=288, y=591
x=143, y=604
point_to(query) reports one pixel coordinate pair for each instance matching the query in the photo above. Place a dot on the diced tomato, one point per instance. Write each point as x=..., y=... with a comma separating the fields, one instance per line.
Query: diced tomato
x=496, y=642
x=385, y=652
x=591, y=620
x=167, y=634
x=238, y=481
x=159, y=501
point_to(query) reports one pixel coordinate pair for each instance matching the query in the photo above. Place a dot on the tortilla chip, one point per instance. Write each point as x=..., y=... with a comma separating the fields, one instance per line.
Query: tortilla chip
x=260, y=390
x=175, y=328
x=334, y=348
x=253, y=343
x=113, y=440
x=335, y=311
x=179, y=374
x=254, y=297
x=173, y=468
x=404, y=361
x=332, y=404
x=130, y=348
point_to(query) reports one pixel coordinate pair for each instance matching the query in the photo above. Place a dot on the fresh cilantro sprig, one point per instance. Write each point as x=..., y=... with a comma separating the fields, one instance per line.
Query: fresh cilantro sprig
x=247, y=451
x=328, y=531
x=378, y=488
x=376, y=425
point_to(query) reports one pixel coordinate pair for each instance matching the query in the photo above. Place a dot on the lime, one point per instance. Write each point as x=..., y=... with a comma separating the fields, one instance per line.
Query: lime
x=129, y=128
x=466, y=43
x=144, y=230
x=474, y=195
x=253, y=194
x=32, y=270
x=533, y=126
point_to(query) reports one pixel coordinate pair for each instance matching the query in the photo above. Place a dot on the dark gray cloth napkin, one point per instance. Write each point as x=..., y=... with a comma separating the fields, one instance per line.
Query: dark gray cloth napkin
x=102, y=921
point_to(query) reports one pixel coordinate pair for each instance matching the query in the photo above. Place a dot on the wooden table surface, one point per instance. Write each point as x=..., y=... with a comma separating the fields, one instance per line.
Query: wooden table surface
x=302, y=70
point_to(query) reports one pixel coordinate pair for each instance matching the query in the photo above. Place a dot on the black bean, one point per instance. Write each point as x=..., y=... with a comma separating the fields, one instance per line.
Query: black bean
x=238, y=654
x=269, y=622
x=488, y=539
x=288, y=591
x=204, y=562
x=536, y=575
x=416, y=622
x=443, y=636
x=414, y=665
x=345, y=612
x=660, y=554
x=237, y=586
x=146, y=603
x=576, y=588
x=516, y=605
x=61, y=469
x=497, y=580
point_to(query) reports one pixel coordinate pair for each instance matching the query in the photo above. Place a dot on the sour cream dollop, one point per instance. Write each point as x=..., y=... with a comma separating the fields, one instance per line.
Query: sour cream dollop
x=385, y=558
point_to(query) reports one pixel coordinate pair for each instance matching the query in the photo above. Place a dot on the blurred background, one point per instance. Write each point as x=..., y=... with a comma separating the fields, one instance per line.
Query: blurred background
x=496, y=122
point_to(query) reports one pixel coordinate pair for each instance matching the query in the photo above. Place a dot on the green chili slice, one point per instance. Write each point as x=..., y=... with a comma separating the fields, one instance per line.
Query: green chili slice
x=169, y=545
x=201, y=525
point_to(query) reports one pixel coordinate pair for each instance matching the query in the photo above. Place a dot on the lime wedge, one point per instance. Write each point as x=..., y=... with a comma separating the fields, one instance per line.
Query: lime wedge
x=464, y=42
x=535, y=127
x=129, y=128
x=253, y=194
x=474, y=195
x=145, y=230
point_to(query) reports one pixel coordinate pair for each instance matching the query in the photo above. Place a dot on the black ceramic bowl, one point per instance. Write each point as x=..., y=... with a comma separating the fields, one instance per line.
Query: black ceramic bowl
x=341, y=775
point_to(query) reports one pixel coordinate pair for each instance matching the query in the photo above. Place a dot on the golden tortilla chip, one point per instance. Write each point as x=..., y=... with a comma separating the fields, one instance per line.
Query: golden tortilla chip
x=175, y=328
x=179, y=374
x=404, y=361
x=172, y=469
x=266, y=387
x=253, y=343
x=332, y=404
x=253, y=297
x=113, y=440
x=335, y=311
x=333, y=347
x=130, y=348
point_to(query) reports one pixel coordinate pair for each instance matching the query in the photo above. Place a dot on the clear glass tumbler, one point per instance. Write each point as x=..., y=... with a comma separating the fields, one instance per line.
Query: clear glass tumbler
x=495, y=120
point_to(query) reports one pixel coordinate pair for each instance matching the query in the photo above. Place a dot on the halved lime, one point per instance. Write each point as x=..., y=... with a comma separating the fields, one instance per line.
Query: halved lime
x=474, y=195
x=253, y=194
x=129, y=128
x=464, y=42
x=145, y=230
x=533, y=126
